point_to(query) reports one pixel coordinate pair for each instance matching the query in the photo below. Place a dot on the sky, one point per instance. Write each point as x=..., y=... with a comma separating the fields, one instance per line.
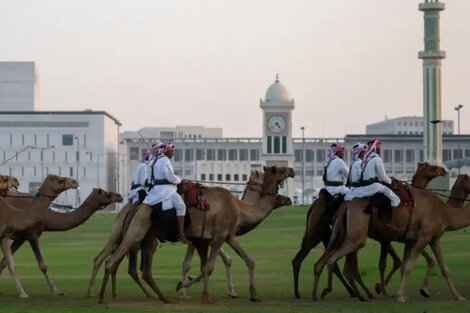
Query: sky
x=166, y=63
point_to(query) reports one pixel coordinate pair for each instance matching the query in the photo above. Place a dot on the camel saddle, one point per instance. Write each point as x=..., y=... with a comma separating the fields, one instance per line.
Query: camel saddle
x=193, y=195
x=404, y=191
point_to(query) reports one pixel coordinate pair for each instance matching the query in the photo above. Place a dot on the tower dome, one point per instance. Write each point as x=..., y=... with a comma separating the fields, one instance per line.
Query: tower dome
x=277, y=92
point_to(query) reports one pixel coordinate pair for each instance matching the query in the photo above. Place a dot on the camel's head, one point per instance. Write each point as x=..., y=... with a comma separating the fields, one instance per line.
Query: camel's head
x=462, y=182
x=104, y=198
x=54, y=185
x=430, y=171
x=279, y=173
x=282, y=201
x=7, y=182
x=256, y=178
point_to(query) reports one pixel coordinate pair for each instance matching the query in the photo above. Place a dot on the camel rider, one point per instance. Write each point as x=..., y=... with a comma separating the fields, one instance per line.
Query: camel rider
x=336, y=171
x=165, y=190
x=374, y=176
x=154, y=153
x=355, y=169
x=138, y=189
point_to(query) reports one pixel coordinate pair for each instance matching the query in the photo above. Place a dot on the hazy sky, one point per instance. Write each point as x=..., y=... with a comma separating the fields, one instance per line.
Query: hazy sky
x=165, y=63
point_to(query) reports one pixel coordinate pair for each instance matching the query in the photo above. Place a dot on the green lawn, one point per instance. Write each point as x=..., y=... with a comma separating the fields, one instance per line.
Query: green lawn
x=69, y=256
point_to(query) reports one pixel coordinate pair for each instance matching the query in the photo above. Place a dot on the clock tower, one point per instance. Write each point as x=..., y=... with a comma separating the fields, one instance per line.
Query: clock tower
x=277, y=130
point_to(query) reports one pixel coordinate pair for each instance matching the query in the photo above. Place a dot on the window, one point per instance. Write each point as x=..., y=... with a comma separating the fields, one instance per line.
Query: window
x=232, y=154
x=227, y=177
x=66, y=157
x=467, y=153
x=22, y=139
x=399, y=132
x=398, y=156
x=277, y=144
x=421, y=155
x=320, y=155
x=245, y=177
x=243, y=154
x=387, y=155
x=84, y=171
x=47, y=139
x=416, y=123
x=254, y=155
x=35, y=139
x=178, y=172
x=11, y=144
x=410, y=156
x=200, y=154
x=188, y=155
x=309, y=173
x=236, y=177
x=67, y=140
x=187, y=172
x=446, y=155
x=221, y=155
x=70, y=171
x=298, y=155
x=210, y=155
x=219, y=177
x=53, y=156
x=284, y=144
x=457, y=154
x=211, y=177
x=404, y=124
x=319, y=172
x=203, y=176
x=399, y=123
x=309, y=155
x=84, y=140
x=270, y=144
x=134, y=153
x=178, y=155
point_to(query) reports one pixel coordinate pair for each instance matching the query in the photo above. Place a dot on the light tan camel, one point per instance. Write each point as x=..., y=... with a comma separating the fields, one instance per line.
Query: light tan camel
x=127, y=213
x=55, y=221
x=211, y=227
x=318, y=230
x=426, y=224
x=14, y=221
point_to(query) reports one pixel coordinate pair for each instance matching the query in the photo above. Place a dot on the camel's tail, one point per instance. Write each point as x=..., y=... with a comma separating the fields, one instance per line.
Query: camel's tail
x=339, y=229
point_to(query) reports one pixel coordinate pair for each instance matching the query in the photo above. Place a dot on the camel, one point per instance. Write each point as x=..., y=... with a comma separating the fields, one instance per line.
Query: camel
x=208, y=228
x=14, y=221
x=426, y=224
x=98, y=199
x=318, y=229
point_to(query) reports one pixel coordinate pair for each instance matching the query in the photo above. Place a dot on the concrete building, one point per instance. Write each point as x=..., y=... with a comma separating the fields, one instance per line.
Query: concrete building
x=80, y=144
x=406, y=125
x=18, y=86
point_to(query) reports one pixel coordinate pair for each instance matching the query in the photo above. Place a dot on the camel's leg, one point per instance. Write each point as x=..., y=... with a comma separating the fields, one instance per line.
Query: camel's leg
x=215, y=244
x=228, y=264
x=396, y=264
x=385, y=248
x=436, y=248
x=6, y=243
x=17, y=243
x=34, y=242
x=113, y=283
x=186, y=266
x=412, y=252
x=250, y=263
x=430, y=264
x=148, y=249
x=136, y=232
x=132, y=270
x=99, y=259
x=354, y=267
x=348, y=273
x=202, y=248
x=308, y=243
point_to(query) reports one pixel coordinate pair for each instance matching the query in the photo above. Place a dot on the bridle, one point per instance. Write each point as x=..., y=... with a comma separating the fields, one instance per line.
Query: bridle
x=50, y=196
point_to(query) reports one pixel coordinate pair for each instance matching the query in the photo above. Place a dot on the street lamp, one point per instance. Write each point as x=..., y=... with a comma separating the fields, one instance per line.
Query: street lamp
x=77, y=197
x=457, y=108
x=42, y=157
x=303, y=164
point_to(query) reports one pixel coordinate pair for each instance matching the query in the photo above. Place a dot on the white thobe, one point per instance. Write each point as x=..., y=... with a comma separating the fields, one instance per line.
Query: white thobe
x=354, y=176
x=337, y=171
x=166, y=194
x=150, y=164
x=375, y=168
x=140, y=177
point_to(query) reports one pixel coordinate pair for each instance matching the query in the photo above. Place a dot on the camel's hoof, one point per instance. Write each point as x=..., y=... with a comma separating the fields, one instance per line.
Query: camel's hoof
x=314, y=298
x=179, y=286
x=324, y=293
x=460, y=298
x=402, y=299
x=207, y=300
x=57, y=292
x=24, y=295
x=424, y=293
x=232, y=294
x=164, y=300
x=255, y=299
x=90, y=294
x=297, y=295
x=371, y=297
x=190, y=278
x=378, y=289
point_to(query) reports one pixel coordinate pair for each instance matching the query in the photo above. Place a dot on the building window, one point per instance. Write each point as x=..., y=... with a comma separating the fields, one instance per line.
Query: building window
x=399, y=132
x=284, y=144
x=270, y=144
x=227, y=177
x=203, y=176
x=319, y=172
x=277, y=145
x=84, y=140
x=47, y=140
x=134, y=153
x=236, y=177
x=178, y=155
x=320, y=156
x=84, y=171
x=446, y=155
x=457, y=154
x=210, y=154
x=254, y=155
x=221, y=155
x=244, y=177
x=398, y=156
x=467, y=154
x=399, y=123
x=67, y=140
x=187, y=172
x=66, y=157
x=211, y=177
x=309, y=173
x=219, y=177
x=188, y=155
x=232, y=154
x=421, y=155
x=35, y=139
x=387, y=156
x=410, y=156
x=177, y=171
x=22, y=139
x=200, y=154
x=243, y=154
x=298, y=155
x=310, y=155
x=71, y=172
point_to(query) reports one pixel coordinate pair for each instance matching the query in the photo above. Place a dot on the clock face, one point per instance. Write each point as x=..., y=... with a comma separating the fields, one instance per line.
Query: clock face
x=277, y=124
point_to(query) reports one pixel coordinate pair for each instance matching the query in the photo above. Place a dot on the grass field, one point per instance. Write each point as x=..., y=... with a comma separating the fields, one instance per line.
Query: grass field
x=69, y=256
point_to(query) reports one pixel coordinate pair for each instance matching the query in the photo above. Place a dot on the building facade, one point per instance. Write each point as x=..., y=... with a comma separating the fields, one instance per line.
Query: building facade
x=406, y=125
x=18, y=86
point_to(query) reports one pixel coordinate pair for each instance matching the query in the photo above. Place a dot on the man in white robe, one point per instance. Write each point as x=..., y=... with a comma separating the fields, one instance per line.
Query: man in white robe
x=165, y=190
x=139, y=190
x=336, y=171
x=355, y=169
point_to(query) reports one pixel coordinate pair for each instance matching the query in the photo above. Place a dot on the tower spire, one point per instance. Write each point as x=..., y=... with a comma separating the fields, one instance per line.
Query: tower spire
x=277, y=78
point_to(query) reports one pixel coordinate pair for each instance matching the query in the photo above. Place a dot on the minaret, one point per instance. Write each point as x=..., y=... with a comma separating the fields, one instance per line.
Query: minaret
x=431, y=56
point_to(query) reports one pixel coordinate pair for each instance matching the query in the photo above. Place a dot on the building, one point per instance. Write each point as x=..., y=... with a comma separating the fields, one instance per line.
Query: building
x=406, y=125
x=80, y=144
x=18, y=86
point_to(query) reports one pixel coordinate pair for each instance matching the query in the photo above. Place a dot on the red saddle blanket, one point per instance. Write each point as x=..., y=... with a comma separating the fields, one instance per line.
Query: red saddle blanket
x=193, y=195
x=404, y=192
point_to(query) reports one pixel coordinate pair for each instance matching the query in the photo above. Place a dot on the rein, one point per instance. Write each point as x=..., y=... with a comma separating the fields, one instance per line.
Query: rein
x=436, y=191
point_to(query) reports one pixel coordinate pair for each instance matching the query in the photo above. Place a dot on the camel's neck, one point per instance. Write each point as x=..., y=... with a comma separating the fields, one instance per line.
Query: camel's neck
x=420, y=182
x=56, y=221
x=456, y=218
x=251, y=214
x=457, y=197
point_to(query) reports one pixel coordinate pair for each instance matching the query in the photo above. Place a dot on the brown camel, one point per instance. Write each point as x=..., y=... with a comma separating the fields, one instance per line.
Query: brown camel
x=14, y=221
x=55, y=221
x=207, y=228
x=318, y=229
x=426, y=224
